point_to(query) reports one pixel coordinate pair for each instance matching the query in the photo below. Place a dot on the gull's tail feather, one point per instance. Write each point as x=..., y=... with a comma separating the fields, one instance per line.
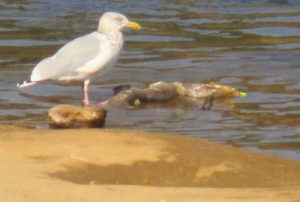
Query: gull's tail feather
x=25, y=84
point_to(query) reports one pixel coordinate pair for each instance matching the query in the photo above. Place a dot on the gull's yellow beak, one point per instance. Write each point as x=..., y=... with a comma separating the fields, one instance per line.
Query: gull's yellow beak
x=134, y=25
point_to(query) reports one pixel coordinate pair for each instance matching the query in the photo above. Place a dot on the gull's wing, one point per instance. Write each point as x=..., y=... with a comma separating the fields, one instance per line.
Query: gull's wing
x=73, y=56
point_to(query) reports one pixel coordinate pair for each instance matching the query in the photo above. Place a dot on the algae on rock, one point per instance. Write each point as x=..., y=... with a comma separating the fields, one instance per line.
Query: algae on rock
x=70, y=116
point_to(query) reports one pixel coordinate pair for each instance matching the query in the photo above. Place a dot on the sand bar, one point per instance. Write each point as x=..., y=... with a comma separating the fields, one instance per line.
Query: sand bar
x=122, y=165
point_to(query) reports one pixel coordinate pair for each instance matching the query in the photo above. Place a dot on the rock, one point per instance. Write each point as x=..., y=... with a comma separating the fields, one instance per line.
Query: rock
x=70, y=116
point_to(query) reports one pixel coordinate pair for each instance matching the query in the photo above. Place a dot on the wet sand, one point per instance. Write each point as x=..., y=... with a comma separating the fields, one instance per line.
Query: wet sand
x=120, y=165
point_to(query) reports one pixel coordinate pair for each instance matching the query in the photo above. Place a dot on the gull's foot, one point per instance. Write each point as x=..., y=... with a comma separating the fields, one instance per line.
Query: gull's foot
x=85, y=102
x=207, y=103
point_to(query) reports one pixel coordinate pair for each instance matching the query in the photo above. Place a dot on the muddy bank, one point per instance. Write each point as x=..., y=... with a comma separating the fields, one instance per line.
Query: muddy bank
x=114, y=165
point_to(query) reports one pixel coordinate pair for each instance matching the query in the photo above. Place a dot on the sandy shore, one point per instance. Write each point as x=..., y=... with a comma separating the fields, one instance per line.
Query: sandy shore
x=119, y=165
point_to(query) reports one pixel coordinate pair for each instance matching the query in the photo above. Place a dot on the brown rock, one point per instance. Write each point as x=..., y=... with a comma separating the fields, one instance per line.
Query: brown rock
x=70, y=116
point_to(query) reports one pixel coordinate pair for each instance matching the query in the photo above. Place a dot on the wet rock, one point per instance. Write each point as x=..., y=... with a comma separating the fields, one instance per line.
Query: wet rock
x=70, y=116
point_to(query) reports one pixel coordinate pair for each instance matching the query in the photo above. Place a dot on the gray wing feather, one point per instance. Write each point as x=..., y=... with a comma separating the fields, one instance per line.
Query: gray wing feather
x=70, y=57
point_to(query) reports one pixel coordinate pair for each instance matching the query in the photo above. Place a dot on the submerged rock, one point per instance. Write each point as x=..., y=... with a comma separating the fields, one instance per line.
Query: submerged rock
x=70, y=116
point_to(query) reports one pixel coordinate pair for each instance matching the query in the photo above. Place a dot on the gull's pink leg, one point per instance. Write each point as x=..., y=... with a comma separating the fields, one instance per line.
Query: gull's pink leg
x=85, y=101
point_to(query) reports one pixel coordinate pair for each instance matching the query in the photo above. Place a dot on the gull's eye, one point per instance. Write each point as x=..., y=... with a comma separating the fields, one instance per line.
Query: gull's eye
x=119, y=19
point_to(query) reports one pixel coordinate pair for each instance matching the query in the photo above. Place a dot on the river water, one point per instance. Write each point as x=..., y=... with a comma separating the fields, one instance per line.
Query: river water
x=253, y=46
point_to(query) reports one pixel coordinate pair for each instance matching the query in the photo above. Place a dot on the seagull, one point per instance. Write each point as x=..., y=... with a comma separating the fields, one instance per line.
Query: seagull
x=86, y=56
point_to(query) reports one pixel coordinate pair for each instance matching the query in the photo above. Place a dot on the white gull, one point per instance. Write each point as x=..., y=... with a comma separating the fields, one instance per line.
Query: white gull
x=85, y=56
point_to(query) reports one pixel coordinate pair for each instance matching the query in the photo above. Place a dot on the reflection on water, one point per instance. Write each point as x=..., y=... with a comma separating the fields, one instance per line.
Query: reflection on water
x=250, y=45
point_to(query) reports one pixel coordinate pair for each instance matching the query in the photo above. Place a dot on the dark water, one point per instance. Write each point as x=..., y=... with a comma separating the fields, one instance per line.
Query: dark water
x=253, y=46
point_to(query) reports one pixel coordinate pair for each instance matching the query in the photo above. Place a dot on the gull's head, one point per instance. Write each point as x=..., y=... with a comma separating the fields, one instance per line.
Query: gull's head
x=112, y=22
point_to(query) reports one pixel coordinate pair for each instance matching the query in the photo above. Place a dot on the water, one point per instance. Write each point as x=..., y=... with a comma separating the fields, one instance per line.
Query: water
x=250, y=45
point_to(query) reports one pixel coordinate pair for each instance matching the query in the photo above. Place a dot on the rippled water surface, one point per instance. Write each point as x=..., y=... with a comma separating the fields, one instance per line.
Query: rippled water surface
x=253, y=46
